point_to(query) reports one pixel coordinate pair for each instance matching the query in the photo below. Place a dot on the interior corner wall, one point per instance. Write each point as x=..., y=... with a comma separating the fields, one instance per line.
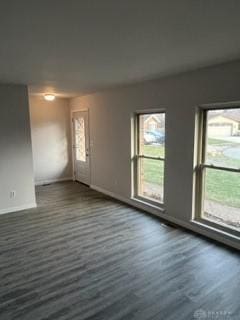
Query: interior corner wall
x=110, y=115
x=16, y=167
x=51, y=139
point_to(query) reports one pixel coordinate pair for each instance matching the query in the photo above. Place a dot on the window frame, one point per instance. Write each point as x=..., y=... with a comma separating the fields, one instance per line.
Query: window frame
x=200, y=166
x=137, y=156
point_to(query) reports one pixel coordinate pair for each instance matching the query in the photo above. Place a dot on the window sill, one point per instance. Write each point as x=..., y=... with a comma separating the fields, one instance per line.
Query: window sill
x=205, y=225
x=157, y=207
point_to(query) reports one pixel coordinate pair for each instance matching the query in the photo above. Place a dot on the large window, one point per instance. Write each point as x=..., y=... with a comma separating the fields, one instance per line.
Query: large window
x=150, y=157
x=218, y=172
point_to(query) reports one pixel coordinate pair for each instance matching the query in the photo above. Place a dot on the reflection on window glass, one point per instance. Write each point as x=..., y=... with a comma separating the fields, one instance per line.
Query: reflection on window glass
x=80, y=139
x=222, y=197
x=223, y=138
x=151, y=153
x=151, y=179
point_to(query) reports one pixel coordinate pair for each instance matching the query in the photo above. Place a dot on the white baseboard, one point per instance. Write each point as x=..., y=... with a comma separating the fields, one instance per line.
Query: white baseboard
x=204, y=230
x=18, y=208
x=110, y=193
x=48, y=181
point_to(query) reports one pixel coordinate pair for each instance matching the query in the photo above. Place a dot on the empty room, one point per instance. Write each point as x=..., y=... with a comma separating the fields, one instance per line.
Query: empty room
x=119, y=160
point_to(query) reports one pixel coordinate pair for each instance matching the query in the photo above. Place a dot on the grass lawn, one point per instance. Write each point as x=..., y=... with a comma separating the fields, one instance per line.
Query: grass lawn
x=221, y=186
x=153, y=169
x=218, y=142
x=154, y=150
x=221, y=158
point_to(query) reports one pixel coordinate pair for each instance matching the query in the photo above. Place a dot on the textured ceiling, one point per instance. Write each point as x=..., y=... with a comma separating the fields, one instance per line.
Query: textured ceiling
x=75, y=47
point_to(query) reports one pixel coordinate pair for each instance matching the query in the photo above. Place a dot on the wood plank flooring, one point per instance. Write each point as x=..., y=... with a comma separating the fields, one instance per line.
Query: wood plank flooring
x=81, y=255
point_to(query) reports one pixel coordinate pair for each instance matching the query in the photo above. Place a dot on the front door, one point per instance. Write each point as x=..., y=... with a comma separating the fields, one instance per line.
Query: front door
x=81, y=147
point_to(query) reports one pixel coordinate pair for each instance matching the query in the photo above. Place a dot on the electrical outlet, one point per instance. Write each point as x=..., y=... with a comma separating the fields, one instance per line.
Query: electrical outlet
x=12, y=194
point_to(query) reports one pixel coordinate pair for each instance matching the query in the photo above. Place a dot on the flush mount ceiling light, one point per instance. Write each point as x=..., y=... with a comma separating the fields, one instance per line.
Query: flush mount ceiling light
x=49, y=97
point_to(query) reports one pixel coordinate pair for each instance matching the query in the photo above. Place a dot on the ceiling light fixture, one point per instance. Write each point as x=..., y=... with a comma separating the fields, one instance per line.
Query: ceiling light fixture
x=49, y=97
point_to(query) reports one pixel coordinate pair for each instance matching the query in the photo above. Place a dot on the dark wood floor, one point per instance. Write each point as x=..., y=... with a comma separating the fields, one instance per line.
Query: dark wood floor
x=81, y=255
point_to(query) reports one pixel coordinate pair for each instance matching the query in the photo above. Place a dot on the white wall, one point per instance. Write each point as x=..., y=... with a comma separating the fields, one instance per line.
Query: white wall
x=110, y=131
x=16, y=167
x=51, y=139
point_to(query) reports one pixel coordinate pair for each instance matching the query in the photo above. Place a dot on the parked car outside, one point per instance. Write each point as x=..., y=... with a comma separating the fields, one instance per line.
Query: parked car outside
x=154, y=136
x=149, y=138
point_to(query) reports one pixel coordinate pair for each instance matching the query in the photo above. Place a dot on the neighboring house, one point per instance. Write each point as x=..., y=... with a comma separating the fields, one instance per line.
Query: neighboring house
x=153, y=122
x=225, y=124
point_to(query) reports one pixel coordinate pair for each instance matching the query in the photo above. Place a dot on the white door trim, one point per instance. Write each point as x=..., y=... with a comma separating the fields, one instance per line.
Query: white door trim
x=72, y=139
